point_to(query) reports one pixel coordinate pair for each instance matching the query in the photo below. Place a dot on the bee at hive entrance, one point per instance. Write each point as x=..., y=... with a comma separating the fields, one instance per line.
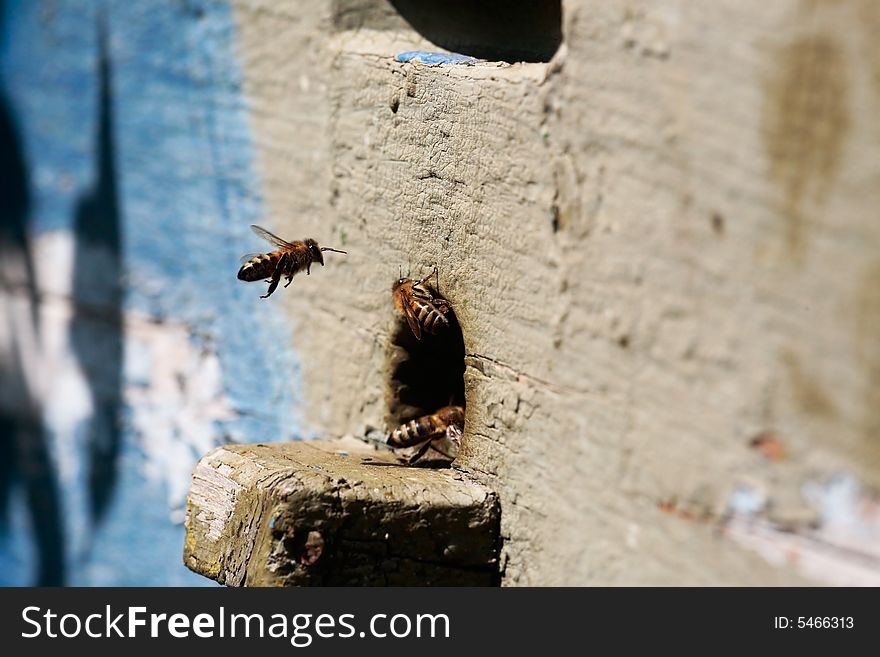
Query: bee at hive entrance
x=425, y=397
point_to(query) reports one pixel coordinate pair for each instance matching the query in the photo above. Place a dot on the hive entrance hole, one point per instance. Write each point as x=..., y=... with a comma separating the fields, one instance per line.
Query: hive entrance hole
x=497, y=30
x=425, y=374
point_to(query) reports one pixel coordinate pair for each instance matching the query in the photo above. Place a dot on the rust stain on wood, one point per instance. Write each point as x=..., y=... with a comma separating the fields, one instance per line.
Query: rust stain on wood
x=770, y=445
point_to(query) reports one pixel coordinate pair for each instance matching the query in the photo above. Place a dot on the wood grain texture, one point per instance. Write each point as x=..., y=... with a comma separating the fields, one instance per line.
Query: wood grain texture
x=336, y=513
x=659, y=245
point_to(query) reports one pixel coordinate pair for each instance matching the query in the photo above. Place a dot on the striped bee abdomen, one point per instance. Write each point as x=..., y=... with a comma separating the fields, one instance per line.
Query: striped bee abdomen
x=414, y=431
x=430, y=319
x=259, y=267
x=427, y=427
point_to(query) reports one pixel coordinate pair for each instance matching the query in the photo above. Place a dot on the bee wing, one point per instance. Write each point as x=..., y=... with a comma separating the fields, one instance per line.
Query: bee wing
x=249, y=256
x=273, y=239
x=449, y=443
x=412, y=320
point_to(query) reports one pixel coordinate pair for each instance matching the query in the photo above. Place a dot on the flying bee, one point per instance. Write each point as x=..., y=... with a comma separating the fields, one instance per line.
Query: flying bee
x=290, y=258
x=441, y=430
x=421, y=309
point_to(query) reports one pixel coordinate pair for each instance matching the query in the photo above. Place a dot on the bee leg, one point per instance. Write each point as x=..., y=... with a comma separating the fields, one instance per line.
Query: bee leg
x=424, y=448
x=442, y=451
x=276, y=277
x=288, y=269
x=272, y=286
x=424, y=278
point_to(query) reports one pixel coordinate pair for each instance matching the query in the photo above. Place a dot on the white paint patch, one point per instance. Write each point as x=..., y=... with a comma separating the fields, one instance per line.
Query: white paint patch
x=51, y=369
x=50, y=386
x=175, y=395
x=66, y=397
x=43, y=356
x=632, y=536
x=173, y=390
x=850, y=515
x=747, y=501
x=19, y=345
x=822, y=562
x=842, y=550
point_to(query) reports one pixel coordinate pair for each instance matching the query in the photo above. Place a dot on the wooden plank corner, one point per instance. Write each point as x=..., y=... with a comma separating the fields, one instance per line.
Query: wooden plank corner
x=336, y=513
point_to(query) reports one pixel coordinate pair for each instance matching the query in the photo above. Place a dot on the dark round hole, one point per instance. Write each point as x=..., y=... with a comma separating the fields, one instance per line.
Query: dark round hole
x=497, y=30
x=425, y=374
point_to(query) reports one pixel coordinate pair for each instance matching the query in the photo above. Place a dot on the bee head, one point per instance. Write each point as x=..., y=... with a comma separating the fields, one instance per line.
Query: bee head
x=315, y=251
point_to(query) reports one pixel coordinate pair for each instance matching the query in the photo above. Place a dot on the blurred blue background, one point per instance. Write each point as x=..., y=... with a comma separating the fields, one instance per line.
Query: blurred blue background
x=127, y=346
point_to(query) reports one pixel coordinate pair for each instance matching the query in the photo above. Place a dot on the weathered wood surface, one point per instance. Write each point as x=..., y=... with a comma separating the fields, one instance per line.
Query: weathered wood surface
x=336, y=513
x=659, y=244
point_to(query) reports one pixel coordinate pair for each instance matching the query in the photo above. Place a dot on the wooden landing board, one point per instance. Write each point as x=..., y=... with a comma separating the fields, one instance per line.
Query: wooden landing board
x=336, y=513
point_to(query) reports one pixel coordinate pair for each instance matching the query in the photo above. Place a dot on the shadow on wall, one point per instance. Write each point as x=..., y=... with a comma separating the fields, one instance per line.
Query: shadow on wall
x=24, y=450
x=95, y=337
x=96, y=326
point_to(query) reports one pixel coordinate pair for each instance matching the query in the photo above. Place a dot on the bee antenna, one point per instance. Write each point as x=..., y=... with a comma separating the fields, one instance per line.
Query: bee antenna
x=424, y=278
x=327, y=248
x=399, y=272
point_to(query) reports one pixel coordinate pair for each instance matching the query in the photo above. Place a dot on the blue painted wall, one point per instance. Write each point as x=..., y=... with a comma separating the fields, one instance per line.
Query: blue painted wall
x=129, y=164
